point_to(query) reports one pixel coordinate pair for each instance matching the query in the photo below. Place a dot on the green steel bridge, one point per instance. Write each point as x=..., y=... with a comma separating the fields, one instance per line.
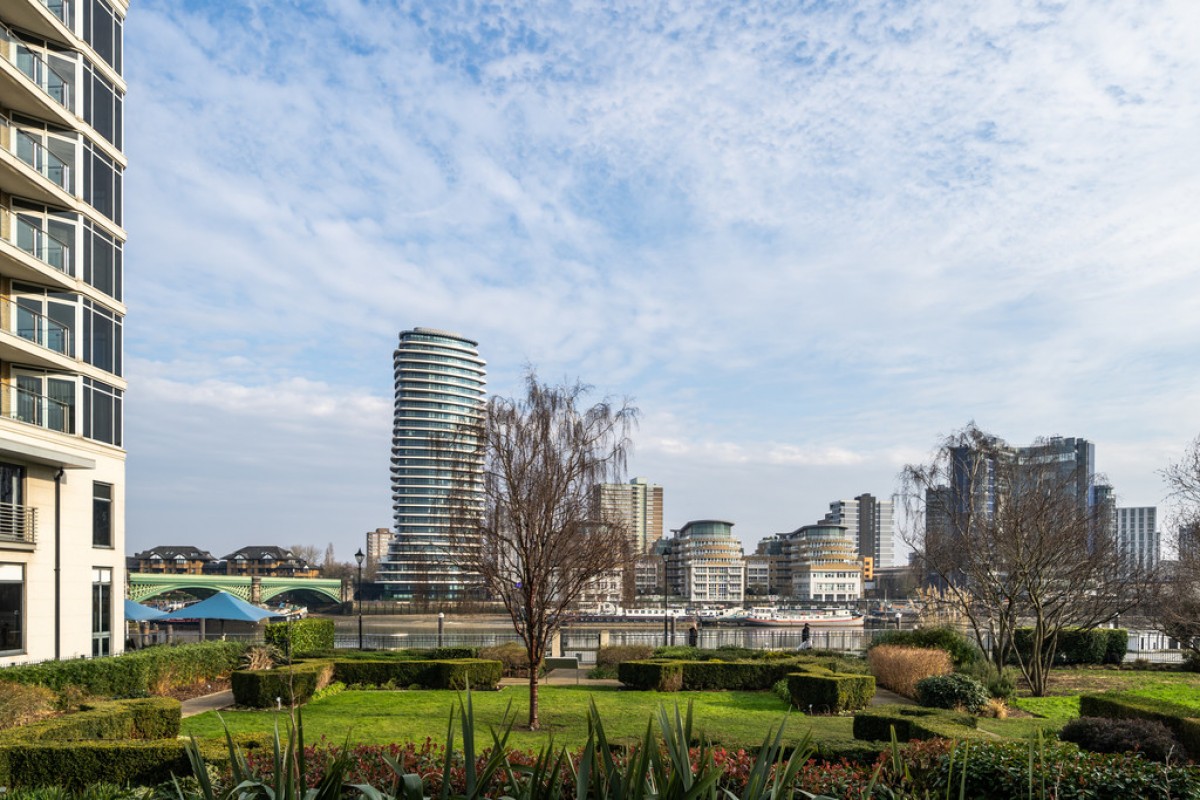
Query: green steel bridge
x=251, y=588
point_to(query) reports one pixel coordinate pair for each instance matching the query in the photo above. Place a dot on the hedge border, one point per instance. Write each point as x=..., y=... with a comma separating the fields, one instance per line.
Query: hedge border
x=673, y=675
x=147, y=718
x=824, y=691
x=913, y=722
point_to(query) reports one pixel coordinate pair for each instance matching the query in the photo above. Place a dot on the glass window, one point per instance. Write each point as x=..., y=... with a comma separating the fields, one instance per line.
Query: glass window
x=102, y=338
x=102, y=106
x=102, y=29
x=12, y=608
x=102, y=412
x=102, y=183
x=102, y=501
x=101, y=611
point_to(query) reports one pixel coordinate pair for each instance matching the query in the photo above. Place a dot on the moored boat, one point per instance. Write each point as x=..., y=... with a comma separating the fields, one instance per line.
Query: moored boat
x=814, y=618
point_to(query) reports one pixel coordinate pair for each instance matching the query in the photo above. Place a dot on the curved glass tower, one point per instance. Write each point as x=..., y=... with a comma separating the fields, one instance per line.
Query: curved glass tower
x=440, y=400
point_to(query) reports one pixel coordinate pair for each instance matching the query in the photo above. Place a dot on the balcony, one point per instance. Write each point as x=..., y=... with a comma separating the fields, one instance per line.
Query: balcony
x=37, y=250
x=52, y=75
x=62, y=10
x=23, y=401
x=18, y=524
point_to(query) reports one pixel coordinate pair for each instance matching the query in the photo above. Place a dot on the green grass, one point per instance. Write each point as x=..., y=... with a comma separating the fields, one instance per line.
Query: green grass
x=730, y=719
x=1021, y=727
x=1060, y=708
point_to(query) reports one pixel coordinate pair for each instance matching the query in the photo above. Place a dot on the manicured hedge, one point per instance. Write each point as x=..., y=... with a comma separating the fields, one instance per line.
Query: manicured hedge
x=912, y=722
x=826, y=692
x=77, y=764
x=291, y=685
x=115, y=741
x=296, y=684
x=657, y=676
x=1181, y=720
x=134, y=674
x=1076, y=646
x=301, y=636
x=148, y=718
x=442, y=674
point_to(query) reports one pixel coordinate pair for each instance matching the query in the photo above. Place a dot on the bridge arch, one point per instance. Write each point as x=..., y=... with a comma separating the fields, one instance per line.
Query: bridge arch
x=144, y=585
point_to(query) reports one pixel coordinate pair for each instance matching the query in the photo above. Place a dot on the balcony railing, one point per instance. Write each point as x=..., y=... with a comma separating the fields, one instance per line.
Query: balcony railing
x=18, y=523
x=51, y=167
x=27, y=405
x=31, y=324
x=27, y=235
x=63, y=9
x=50, y=79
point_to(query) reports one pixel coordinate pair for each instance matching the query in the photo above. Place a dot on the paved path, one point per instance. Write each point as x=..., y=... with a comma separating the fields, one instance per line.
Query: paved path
x=885, y=698
x=208, y=702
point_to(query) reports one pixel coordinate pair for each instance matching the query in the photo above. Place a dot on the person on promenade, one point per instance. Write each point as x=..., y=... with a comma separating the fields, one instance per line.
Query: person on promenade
x=693, y=636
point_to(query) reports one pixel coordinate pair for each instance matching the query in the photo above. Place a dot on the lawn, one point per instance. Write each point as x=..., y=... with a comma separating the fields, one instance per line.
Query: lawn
x=730, y=719
x=1066, y=685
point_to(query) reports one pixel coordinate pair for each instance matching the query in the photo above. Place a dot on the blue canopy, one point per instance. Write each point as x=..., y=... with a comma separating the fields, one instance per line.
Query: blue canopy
x=221, y=605
x=136, y=612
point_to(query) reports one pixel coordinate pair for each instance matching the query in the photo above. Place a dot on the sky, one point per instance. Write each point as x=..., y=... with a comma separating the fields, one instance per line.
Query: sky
x=807, y=240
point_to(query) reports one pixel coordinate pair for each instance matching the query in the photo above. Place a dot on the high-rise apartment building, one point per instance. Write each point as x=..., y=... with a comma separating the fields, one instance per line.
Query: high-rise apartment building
x=827, y=566
x=436, y=462
x=870, y=523
x=705, y=563
x=1139, y=542
x=62, y=462
x=638, y=505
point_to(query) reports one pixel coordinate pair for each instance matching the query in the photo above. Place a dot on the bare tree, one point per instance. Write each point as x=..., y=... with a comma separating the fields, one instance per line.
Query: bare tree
x=308, y=552
x=1013, y=538
x=532, y=533
x=1174, y=604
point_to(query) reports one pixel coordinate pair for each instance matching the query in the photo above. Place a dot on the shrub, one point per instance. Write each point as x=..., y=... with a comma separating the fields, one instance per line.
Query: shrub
x=658, y=676
x=912, y=722
x=952, y=691
x=995, y=708
x=300, y=636
x=1180, y=720
x=1104, y=735
x=137, y=674
x=1078, y=646
x=899, y=668
x=76, y=764
x=512, y=656
x=148, y=718
x=446, y=653
x=824, y=692
x=612, y=655
x=780, y=689
x=293, y=685
x=447, y=674
x=21, y=704
x=1116, y=645
x=1001, y=684
x=962, y=650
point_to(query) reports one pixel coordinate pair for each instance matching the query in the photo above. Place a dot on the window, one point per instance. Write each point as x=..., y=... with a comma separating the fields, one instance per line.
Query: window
x=101, y=611
x=12, y=609
x=102, y=183
x=102, y=29
x=101, y=337
x=45, y=400
x=45, y=317
x=47, y=234
x=102, y=106
x=102, y=502
x=102, y=412
x=103, y=260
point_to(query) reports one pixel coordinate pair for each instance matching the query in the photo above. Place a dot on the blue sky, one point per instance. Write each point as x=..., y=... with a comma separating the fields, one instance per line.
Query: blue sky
x=807, y=239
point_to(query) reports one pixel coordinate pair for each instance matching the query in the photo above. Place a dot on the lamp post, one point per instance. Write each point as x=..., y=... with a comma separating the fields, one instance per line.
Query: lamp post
x=358, y=595
x=666, y=643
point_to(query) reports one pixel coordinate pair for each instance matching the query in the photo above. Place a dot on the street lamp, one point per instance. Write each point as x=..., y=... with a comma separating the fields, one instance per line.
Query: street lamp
x=358, y=595
x=665, y=634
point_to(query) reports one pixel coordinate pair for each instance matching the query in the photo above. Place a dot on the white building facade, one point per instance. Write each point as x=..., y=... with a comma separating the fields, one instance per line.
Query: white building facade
x=828, y=567
x=436, y=460
x=62, y=461
x=705, y=563
x=1139, y=541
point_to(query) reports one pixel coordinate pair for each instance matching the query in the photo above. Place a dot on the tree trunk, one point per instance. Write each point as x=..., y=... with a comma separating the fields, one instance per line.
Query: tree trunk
x=534, y=724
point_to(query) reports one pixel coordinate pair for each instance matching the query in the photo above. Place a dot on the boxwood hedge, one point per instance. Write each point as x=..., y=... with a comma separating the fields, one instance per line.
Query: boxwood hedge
x=301, y=636
x=827, y=692
x=148, y=718
x=913, y=722
x=290, y=685
x=134, y=674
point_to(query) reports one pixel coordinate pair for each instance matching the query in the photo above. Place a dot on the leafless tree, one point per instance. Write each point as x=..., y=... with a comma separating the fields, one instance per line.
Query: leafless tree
x=307, y=552
x=1014, y=540
x=1174, y=604
x=532, y=533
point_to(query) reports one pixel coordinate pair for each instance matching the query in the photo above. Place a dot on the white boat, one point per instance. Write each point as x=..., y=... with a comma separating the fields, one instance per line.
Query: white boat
x=795, y=618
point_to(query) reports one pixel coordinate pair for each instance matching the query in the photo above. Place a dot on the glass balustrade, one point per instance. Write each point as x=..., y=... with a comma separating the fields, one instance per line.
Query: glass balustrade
x=51, y=248
x=25, y=402
x=37, y=155
x=31, y=324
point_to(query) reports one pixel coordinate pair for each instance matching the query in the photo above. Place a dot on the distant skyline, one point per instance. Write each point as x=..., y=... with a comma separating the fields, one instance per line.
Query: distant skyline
x=806, y=239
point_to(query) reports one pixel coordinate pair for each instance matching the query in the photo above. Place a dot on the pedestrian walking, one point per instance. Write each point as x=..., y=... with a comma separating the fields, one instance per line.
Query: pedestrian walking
x=805, y=633
x=693, y=636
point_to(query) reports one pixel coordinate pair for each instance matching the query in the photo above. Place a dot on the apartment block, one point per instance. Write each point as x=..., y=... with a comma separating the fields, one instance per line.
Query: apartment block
x=62, y=457
x=638, y=505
